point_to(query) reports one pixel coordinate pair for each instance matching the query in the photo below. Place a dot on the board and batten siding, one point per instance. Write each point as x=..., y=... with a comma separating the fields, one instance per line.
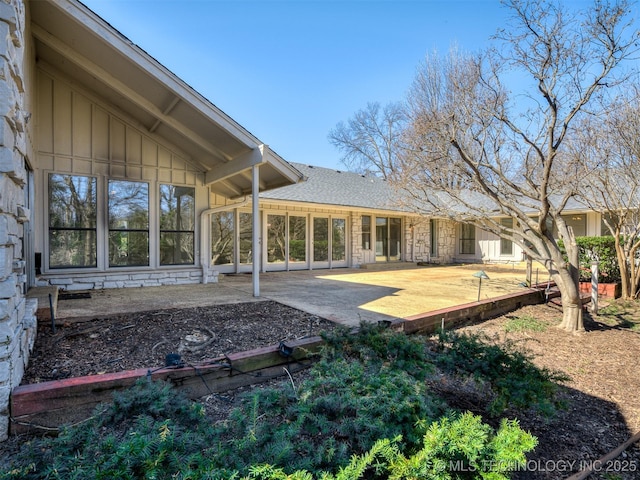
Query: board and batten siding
x=82, y=135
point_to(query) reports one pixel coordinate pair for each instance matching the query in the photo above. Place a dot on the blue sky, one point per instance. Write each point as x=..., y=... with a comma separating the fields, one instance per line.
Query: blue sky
x=290, y=70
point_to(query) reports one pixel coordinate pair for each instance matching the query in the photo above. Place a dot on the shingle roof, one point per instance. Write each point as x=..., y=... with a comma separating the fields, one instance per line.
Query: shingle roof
x=339, y=188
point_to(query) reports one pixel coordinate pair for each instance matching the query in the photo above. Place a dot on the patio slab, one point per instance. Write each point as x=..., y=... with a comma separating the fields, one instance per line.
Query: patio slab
x=346, y=296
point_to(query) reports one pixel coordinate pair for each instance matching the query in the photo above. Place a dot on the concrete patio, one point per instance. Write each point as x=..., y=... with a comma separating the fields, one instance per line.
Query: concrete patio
x=346, y=296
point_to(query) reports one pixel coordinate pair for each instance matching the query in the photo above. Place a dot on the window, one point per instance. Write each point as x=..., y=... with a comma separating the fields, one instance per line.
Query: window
x=177, y=225
x=128, y=223
x=578, y=222
x=297, y=239
x=338, y=239
x=506, y=246
x=72, y=221
x=246, y=237
x=222, y=241
x=276, y=238
x=366, y=232
x=467, y=239
x=433, y=237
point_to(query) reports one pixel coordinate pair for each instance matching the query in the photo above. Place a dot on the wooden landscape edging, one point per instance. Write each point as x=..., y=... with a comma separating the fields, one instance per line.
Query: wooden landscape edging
x=48, y=405
x=468, y=313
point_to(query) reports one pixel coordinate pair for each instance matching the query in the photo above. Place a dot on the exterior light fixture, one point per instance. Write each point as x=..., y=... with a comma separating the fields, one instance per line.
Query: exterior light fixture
x=480, y=275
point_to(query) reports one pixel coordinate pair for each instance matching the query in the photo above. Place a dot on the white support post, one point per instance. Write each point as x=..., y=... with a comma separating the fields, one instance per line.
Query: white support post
x=594, y=287
x=255, y=241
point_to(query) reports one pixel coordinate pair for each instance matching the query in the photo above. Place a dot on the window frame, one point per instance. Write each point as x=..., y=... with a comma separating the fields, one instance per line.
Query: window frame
x=110, y=229
x=96, y=215
x=506, y=245
x=176, y=230
x=433, y=237
x=366, y=232
x=467, y=241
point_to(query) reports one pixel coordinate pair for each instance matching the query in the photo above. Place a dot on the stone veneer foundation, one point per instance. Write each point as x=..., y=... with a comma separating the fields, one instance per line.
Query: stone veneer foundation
x=17, y=314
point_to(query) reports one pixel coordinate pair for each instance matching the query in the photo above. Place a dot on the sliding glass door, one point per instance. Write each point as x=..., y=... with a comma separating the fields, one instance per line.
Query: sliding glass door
x=388, y=239
x=329, y=242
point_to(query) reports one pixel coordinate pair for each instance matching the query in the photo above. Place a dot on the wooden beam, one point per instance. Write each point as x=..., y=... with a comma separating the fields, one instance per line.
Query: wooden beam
x=235, y=166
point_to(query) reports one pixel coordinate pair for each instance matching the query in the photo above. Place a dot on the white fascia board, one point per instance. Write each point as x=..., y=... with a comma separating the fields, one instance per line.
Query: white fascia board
x=138, y=56
x=325, y=206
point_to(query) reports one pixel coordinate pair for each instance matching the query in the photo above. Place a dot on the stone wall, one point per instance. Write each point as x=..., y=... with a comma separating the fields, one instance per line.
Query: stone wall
x=17, y=314
x=87, y=281
x=446, y=242
x=418, y=240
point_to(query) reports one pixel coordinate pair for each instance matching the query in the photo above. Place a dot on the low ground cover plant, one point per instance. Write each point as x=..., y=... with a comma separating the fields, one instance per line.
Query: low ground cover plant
x=366, y=411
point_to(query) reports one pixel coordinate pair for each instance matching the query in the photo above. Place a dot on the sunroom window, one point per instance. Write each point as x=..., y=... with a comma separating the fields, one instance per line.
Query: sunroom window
x=177, y=225
x=72, y=221
x=128, y=223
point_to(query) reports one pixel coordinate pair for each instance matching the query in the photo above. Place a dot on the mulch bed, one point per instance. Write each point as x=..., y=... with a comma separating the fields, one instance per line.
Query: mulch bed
x=127, y=342
x=602, y=397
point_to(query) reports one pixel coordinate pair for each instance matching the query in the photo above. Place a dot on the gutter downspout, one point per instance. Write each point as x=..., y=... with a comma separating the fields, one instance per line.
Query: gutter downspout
x=204, y=250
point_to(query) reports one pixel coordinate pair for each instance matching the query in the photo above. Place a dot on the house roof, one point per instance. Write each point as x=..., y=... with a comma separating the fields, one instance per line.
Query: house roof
x=339, y=188
x=82, y=46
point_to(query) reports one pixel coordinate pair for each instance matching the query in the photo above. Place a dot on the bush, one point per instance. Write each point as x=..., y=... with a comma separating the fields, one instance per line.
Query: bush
x=602, y=250
x=364, y=412
x=149, y=431
x=365, y=387
x=455, y=447
x=515, y=381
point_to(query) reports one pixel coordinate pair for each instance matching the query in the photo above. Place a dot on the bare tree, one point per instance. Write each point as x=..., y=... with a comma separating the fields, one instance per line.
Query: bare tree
x=477, y=152
x=504, y=153
x=370, y=141
x=608, y=147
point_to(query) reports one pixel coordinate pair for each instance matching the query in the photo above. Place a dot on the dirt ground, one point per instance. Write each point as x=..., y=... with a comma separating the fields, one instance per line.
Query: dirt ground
x=602, y=397
x=139, y=340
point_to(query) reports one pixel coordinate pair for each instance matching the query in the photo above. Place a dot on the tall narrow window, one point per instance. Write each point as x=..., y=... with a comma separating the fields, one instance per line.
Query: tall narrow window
x=506, y=246
x=72, y=221
x=177, y=225
x=433, y=237
x=222, y=241
x=338, y=239
x=467, y=239
x=366, y=232
x=128, y=223
x=276, y=238
x=297, y=239
x=246, y=237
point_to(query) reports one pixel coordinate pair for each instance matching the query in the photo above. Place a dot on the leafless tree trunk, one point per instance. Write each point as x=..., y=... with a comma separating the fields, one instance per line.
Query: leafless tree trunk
x=609, y=150
x=476, y=151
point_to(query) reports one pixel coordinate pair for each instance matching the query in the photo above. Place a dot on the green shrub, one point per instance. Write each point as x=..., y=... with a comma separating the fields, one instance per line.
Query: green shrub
x=512, y=376
x=455, y=447
x=364, y=412
x=149, y=431
x=366, y=387
x=602, y=250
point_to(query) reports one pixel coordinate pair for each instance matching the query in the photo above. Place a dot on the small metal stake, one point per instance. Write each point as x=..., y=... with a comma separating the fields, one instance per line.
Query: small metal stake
x=52, y=314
